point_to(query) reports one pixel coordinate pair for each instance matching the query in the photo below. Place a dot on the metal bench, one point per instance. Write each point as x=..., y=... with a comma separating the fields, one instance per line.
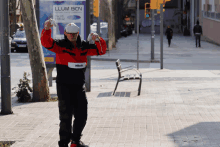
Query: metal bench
x=137, y=76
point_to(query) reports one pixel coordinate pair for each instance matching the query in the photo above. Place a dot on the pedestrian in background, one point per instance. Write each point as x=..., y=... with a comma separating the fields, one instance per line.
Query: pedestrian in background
x=71, y=61
x=169, y=33
x=197, y=30
x=21, y=27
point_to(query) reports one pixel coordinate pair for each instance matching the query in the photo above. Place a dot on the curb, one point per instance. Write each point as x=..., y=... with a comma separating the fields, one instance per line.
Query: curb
x=125, y=60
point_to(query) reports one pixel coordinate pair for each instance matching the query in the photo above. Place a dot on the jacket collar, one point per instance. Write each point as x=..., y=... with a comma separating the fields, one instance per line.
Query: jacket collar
x=78, y=41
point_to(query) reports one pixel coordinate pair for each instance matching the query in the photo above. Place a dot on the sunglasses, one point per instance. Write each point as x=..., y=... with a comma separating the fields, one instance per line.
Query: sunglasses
x=74, y=34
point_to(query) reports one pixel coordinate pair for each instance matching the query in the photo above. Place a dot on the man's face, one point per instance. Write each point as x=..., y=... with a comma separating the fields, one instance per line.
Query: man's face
x=71, y=36
x=21, y=29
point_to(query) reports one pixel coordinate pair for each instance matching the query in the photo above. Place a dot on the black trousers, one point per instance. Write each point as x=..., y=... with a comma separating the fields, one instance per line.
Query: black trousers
x=198, y=38
x=169, y=41
x=72, y=100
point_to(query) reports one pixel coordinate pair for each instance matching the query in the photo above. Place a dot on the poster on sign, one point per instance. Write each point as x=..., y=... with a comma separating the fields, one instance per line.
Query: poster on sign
x=63, y=12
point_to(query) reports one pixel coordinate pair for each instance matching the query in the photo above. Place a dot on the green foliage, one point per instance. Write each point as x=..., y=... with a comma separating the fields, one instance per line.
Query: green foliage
x=23, y=89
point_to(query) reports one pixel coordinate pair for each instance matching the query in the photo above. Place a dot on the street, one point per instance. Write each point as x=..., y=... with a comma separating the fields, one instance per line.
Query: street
x=178, y=106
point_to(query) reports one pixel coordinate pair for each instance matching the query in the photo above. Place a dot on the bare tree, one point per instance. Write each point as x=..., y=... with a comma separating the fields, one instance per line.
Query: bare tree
x=12, y=12
x=38, y=68
x=107, y=13
x=114, y=17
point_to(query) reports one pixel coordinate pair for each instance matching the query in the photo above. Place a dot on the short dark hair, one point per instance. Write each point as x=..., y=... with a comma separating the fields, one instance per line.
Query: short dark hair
x=197, y=22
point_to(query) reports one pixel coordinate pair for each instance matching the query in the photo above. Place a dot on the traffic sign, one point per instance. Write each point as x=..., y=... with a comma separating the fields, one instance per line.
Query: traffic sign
x=96, y=8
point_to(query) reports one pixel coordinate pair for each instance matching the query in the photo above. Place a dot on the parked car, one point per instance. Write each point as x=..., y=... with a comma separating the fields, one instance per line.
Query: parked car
x=19, y=41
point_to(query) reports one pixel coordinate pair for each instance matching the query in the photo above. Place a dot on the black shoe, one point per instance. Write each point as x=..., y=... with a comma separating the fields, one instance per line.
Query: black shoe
x=78, y=144
x=62, y=144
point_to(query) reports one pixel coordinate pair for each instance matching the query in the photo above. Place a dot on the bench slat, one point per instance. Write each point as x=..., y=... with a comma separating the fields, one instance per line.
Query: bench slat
x=130, y=77
x=134, y=76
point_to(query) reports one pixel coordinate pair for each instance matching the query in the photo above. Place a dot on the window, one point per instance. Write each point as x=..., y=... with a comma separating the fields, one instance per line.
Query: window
x=20, y=34
x=216, y=7
x=209, y=7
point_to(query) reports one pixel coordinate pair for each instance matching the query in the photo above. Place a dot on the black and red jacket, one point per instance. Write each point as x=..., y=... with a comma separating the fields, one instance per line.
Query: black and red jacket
x=67, y=52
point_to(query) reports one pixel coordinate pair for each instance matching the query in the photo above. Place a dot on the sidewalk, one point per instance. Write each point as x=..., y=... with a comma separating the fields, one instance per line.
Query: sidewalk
x=178, y=106
x=127, y=48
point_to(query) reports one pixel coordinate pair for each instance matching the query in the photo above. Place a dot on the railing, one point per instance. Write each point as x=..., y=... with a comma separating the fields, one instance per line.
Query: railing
x=212, y=15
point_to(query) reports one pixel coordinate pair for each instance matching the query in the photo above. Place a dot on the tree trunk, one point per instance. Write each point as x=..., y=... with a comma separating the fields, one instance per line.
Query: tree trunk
x=110, y=26
x=106, y=15
x=38, y=68
x=13, y=16
x=113, y=23
x=107, y=9
x=114, y=6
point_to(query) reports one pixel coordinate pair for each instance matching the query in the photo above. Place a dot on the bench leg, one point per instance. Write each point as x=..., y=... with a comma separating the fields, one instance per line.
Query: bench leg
x=116, y=87
x=139, y=88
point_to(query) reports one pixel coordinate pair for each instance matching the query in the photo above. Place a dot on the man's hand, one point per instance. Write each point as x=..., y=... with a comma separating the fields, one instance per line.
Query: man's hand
x=47, y=24
x=95, y=37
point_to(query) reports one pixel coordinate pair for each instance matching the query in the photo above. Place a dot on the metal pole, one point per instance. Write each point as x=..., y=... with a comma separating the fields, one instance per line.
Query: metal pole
x=196, y=7
x=161, y=36
x=98, y=21
x=152, y=34
x=88, y=68
x=37, y=6
x=137, y=34
x=5, y=60
x=192, y=16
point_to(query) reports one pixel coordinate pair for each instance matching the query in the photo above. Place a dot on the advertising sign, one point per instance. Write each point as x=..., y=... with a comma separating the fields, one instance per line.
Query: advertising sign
x=63, y=12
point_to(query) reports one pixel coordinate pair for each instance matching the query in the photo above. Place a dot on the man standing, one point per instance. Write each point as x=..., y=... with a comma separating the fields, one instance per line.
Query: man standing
x=197, y=30
x=71, y=60
x=169, y=33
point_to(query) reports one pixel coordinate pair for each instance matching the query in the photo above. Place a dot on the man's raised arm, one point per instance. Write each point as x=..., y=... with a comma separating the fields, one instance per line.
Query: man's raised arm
x=46, y=39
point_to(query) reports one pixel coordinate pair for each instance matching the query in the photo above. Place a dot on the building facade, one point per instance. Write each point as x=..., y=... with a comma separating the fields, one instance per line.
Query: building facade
x=210, y=18
x=183, y=17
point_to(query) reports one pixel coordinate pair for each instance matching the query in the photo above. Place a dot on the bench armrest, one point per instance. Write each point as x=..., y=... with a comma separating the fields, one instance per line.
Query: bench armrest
x=123, y=70
x=137, y=71
x=128, y=67
x=132, y=69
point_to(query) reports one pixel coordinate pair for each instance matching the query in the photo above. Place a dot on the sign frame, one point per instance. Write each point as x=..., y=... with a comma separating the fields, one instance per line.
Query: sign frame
x=47, y=11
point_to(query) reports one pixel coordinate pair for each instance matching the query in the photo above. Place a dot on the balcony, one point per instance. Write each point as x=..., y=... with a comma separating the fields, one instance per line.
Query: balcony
x=212, y=15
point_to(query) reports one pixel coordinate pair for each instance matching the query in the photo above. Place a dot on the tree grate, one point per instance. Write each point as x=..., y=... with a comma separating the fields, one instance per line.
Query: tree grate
x=117, y=94
x=6, y=143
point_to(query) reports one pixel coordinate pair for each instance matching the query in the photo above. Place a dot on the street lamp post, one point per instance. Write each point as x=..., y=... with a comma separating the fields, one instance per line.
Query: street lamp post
x=152, y=34
x=5, y=60
x=137, y=34
x=161, y=36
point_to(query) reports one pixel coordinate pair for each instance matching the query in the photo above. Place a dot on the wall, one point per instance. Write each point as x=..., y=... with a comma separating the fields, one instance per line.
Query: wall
x=211, y=29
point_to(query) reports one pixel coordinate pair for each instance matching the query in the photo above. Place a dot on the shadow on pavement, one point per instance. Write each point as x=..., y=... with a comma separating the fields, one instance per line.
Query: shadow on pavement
x=201, y=134
x=15, y=103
